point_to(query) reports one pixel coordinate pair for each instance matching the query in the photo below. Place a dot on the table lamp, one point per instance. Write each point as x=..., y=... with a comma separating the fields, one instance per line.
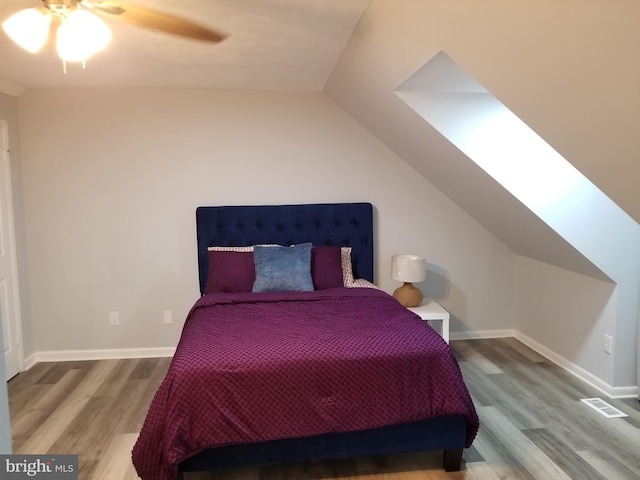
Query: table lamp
x=408, y=269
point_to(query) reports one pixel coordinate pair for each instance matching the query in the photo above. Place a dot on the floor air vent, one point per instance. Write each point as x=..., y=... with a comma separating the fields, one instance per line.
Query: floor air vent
x=603, y=407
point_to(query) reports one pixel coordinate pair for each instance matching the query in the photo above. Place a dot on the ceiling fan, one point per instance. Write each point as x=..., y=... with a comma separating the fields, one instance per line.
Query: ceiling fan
x=80, y=33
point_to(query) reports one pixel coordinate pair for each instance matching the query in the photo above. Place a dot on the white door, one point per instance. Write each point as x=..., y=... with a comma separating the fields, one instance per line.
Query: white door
x=9, y=296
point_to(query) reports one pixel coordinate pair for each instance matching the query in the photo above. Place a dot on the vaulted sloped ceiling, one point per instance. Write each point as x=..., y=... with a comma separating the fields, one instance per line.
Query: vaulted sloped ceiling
x=578, y=89
x=277, y=45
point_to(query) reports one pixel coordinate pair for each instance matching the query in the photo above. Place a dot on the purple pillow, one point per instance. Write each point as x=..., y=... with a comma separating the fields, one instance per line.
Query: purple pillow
x=230, y=272
x=326, y=267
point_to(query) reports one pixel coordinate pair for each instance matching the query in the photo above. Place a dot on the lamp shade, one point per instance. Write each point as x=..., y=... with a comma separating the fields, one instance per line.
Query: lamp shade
x=408, y=268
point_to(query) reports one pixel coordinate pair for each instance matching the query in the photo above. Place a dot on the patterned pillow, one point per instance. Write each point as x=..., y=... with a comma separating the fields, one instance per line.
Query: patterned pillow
x=326, y=267
x=231, y=249
x=347, y=267
x=347, y=272
x=230, y=271
x=363, y=283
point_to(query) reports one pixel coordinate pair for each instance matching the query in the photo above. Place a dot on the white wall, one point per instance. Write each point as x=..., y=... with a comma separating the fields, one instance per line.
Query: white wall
x=569, y=314
x=112, y=178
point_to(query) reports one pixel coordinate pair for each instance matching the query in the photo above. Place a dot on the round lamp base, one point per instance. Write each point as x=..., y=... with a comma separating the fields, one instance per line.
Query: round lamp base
x=408, y=295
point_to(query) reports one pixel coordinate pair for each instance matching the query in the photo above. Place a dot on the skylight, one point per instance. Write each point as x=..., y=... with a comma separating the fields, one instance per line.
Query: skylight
x=500, y=143
x=514, y=155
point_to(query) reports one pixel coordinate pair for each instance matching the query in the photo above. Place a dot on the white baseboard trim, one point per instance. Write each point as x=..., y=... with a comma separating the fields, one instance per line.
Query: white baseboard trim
x=29, y=362
x=612, y=392
x=106, y=354
x=581, y=373
x=482, y=334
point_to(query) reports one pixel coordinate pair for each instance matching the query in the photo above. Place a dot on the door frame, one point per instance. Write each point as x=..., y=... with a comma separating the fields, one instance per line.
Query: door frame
x=14, y=309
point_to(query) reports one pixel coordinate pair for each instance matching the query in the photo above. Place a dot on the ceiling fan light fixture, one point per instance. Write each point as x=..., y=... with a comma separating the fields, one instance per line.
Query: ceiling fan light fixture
x=28, y=28
x=80, y=35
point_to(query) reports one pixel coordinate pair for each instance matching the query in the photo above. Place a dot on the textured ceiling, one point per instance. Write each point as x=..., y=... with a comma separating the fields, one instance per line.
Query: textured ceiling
x=282, y=45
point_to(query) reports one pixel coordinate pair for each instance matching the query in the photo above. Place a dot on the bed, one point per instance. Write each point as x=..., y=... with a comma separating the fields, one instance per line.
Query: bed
x=335, y=369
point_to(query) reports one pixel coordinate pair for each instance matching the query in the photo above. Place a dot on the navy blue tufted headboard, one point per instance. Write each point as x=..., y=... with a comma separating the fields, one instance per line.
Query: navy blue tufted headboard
x=339, y=224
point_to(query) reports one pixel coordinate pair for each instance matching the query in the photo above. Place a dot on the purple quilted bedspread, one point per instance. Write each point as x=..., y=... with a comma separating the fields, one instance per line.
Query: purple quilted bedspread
x=255, y=367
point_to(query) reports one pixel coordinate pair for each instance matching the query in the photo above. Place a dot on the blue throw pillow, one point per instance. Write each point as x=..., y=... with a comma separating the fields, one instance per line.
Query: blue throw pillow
x=281, y=269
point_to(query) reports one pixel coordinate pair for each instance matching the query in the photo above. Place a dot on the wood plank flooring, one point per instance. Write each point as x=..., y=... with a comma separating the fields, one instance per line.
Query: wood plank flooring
x=533, y=426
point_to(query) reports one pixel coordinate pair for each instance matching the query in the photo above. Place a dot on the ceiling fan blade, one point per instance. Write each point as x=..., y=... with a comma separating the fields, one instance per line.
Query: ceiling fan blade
x=154, y=20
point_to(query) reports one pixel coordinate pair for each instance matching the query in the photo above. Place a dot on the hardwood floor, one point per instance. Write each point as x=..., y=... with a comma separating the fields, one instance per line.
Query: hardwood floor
x=533, y=425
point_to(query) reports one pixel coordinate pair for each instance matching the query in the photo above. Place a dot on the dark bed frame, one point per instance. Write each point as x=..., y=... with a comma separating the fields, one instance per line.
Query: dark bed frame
x=321, y=224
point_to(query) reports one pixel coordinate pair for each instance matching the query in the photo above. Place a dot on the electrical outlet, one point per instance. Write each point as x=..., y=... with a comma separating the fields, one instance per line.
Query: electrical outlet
x=608, y=344
x=167, y=317
x=114, y=319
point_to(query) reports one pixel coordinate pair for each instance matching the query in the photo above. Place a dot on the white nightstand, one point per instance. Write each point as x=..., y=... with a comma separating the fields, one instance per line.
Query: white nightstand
x=431, y=310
